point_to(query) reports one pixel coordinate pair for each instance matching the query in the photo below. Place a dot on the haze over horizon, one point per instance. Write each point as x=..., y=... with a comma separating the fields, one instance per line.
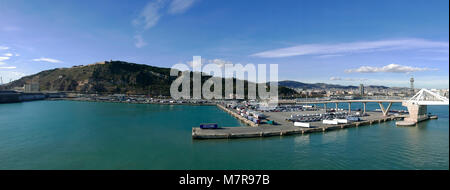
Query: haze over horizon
x=347, y=43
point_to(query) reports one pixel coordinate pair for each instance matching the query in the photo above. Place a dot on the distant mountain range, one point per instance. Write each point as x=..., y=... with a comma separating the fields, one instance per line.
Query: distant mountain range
x=300, y=85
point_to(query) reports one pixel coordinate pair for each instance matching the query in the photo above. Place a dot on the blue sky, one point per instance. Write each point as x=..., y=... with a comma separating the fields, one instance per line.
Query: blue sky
x=341, y=42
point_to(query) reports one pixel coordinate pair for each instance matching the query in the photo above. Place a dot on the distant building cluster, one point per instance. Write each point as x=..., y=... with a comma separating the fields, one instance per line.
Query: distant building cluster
x=442, y=92
x=365, y=91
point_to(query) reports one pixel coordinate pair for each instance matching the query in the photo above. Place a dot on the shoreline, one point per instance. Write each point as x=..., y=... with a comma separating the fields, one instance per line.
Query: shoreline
x=130, y=102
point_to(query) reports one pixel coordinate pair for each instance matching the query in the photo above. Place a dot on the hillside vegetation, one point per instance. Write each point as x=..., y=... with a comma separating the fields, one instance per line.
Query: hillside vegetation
x=112, y=77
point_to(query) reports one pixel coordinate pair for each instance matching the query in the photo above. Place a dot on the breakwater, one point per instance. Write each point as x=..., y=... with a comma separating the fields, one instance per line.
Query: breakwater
x=136, y=102
x=12, y=97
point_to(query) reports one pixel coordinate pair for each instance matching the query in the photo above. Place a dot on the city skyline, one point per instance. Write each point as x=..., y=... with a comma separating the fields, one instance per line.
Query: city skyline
x=311, y=41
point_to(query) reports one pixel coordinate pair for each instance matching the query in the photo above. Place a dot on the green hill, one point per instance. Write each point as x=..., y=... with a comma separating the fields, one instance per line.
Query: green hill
x=110, y=77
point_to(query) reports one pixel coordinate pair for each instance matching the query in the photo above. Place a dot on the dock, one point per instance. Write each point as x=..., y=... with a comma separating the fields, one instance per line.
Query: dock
x=283, y=127
x=237, y=116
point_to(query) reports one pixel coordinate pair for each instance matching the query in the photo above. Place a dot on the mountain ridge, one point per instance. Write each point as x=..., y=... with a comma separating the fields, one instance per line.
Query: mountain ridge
x=113, y=77
x=297, y=84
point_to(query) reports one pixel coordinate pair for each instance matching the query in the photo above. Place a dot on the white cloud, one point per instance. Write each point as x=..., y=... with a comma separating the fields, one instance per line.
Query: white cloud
x=8, y=67
x=17, y=55
x=347, y=79
x=148, y=18
x=203, y=61
x=219, y=62
x=8, y=54
x=391, y=68
x=180, y=6
x=355, y=47
x=152, y=13
x=2, y=63
x=139, y=41
x=4, y=58
x=50, y=60
x=3, y=48
x=330, y=55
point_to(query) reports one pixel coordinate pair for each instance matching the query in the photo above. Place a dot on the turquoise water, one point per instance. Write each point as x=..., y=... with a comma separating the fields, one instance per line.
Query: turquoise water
x=89, y=135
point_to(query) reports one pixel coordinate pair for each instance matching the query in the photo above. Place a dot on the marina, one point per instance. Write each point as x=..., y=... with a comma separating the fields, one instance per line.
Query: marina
x=248, y=88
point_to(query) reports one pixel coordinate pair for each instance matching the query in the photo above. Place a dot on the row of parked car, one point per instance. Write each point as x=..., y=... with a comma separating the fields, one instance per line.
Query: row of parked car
x=325, y=117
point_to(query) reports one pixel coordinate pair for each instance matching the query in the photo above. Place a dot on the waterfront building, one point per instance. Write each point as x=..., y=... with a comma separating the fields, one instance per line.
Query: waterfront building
x=33, y=87
x=361, y=89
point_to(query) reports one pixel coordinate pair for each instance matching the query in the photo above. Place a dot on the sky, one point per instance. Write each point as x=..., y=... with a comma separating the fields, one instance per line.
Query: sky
x=348, y=42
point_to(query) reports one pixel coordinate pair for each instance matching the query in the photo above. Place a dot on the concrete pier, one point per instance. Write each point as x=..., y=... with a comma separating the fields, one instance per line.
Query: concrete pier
x=267, y=131
x=282, y=128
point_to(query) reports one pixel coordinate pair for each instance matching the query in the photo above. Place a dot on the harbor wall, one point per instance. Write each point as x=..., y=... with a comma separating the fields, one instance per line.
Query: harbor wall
x=12, y=97
x=9, y=97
